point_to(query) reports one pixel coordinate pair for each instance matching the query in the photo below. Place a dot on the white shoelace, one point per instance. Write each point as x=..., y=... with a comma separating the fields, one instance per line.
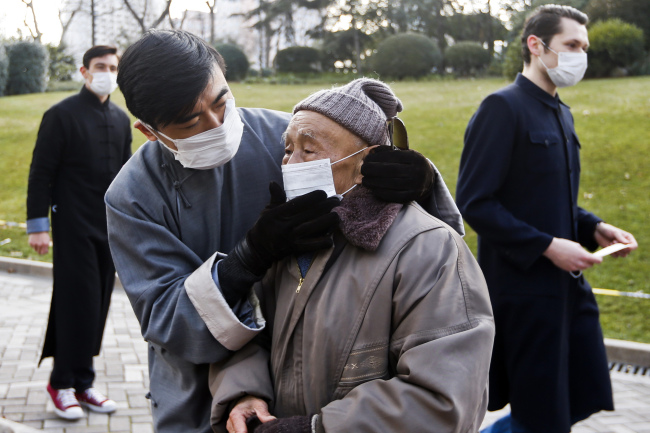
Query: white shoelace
x=93, y=394
x=67, y=398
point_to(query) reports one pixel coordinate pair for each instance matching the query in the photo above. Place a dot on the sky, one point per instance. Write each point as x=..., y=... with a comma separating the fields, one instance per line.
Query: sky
x=14, y=12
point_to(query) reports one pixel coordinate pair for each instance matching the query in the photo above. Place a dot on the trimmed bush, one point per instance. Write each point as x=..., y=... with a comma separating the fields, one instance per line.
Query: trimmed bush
x=406, y=55
x=236, y=61
x=28, y=66
x=298, y=60
x=4, y=69
x=614, y=45
x=513, y=63
x=467, y=58
x=62, y=65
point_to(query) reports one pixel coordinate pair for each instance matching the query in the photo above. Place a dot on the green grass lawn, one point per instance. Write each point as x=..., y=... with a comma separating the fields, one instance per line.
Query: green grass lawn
x=612, y=119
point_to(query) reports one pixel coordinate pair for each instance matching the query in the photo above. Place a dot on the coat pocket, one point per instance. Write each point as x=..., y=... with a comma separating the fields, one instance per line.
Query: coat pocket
x=545, y=153
x=364, y=365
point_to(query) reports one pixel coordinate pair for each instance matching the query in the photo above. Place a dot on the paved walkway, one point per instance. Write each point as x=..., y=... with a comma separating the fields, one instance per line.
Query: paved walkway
x=121, y=366
x=122, y=370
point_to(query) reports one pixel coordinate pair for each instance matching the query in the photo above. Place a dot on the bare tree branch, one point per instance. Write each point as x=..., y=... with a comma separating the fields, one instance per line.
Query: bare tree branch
x=162, y=15
x=37, y=34
x=136, y=16
x=183, y=19
x=65, y=25
x=141, y=19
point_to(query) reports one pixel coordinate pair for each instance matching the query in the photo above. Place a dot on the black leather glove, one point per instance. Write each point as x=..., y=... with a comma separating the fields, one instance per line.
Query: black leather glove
x=397, y=176
x=301, y=225
x=295, y=424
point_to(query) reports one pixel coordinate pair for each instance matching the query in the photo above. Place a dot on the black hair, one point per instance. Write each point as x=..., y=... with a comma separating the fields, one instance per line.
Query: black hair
x=98, y=51
x=546, y=22
x=163, y=74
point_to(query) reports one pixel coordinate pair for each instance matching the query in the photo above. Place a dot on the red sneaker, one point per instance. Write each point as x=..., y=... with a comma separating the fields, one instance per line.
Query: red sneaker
x=96, y=401
x=66, y=405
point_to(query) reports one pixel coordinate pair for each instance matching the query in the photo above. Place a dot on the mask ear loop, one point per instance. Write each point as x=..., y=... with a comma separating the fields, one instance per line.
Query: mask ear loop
x=350, y=156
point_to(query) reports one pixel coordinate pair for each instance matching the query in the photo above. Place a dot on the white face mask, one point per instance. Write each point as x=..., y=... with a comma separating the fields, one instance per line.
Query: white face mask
x=211, y=148
x=104, y=83
x=570, y=68
x=304, y=177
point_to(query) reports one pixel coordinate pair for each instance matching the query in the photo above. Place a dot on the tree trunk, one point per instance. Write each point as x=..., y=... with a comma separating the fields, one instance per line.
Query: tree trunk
x=212, y=8
x=357, y=48
x=66, y=25
x=92, y=22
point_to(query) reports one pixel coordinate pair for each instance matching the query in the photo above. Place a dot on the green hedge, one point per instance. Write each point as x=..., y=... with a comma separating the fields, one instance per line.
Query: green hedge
x=28, y=67
x=467, y=58
x=298, y=60
x=236, y=61
x=406, y=55
x=614, y=44
x=4, y=69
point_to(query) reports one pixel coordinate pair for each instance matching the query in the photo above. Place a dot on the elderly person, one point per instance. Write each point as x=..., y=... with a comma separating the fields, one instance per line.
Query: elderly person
x=390, y=330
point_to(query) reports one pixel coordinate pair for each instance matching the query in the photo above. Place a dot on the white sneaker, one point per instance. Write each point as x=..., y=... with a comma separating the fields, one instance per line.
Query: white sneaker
x=66, y=405
x=96, y=401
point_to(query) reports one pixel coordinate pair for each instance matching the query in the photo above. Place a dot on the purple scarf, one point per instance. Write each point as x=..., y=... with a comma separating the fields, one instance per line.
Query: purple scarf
x=364, y=218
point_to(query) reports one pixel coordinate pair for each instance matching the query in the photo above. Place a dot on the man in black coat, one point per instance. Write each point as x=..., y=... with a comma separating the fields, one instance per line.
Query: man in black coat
x=518, y=188
x=82, y=143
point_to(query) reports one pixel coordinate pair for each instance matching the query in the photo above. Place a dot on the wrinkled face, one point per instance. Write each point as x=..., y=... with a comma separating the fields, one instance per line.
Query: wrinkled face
x=311, y=136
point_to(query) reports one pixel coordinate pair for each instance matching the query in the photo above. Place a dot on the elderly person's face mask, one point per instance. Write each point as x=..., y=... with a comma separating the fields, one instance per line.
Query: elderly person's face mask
x=320, y=154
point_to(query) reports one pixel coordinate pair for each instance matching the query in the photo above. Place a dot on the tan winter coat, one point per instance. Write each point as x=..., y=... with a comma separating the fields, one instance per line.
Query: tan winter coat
x=395, y=340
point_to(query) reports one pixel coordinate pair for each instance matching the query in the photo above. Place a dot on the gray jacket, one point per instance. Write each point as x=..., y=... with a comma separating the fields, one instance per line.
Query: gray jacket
x=396, y=340
x=165, y=225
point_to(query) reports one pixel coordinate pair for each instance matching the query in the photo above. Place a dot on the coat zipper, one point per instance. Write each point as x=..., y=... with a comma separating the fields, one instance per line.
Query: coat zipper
x=302, y=277
x=302, y=280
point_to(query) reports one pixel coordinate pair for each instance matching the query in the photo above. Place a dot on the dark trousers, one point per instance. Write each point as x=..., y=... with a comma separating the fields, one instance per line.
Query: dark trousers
x=84, y=275
x=551, y=364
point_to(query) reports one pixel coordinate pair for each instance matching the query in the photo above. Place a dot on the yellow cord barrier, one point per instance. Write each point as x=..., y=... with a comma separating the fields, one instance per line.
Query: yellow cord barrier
x=610, y=292
x=606, y=292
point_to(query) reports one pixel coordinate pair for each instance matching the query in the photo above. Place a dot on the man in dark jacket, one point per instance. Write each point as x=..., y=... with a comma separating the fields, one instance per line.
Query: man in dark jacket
x=518, y=187
x=82, y=143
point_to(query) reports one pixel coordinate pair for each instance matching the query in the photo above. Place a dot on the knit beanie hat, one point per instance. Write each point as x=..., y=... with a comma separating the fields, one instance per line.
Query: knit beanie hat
x=361, y=106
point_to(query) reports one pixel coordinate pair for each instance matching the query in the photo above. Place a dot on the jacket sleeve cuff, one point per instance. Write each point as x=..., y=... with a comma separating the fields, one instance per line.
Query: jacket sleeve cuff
x=220, y=319
x=587, y=223
x=317, y=424
x=525, y=256
x=37, y=225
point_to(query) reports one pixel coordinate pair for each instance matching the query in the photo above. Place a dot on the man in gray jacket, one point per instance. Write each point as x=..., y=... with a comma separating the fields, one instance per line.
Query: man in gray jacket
x=194, y=191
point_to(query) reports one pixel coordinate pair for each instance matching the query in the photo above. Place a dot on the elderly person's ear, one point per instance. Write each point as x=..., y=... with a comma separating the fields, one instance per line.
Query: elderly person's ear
x=398, y=176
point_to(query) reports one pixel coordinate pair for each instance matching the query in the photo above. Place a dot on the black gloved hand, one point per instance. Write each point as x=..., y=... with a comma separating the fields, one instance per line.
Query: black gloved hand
x=297, y=226
x=301, y=225
x=295, y=424
x=398, y=176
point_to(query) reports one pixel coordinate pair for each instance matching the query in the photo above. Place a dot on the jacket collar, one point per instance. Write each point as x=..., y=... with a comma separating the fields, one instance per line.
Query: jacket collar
x=365, y=219
x=92, y=99
x=535, y=91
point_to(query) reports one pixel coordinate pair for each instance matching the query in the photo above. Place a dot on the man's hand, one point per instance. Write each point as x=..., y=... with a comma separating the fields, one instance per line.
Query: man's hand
x=40, y=242
x=397, y=176
x=295, y=424
x=246, y=408
x=607, y=234
x=570, y=256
